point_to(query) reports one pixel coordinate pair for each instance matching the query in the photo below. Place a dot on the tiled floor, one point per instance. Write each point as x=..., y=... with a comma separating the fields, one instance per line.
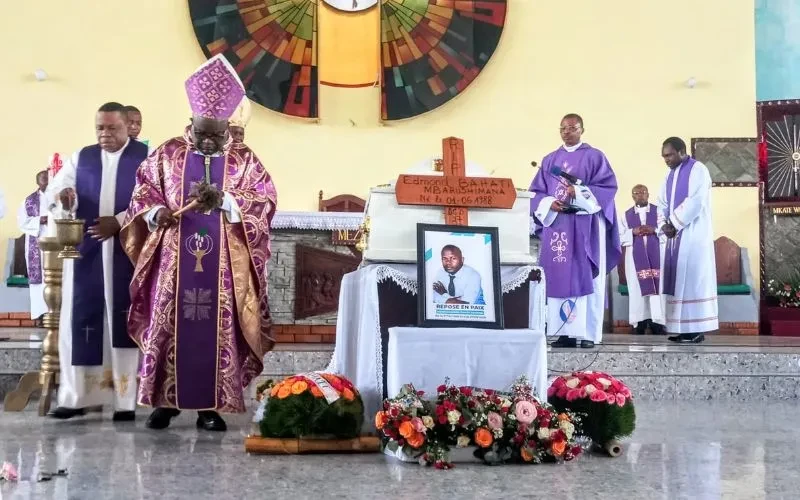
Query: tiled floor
x=699, y=450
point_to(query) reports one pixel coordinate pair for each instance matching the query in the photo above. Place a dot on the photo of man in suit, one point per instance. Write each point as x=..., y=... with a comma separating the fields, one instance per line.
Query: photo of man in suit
x=455, y=282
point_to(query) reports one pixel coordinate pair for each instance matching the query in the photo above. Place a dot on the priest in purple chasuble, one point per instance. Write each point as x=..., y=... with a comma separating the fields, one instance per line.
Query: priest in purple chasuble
x=638, y=229
x=97, y=357
x=573, y=208
x=199, y=309
x=689, y=272
x=32, y=221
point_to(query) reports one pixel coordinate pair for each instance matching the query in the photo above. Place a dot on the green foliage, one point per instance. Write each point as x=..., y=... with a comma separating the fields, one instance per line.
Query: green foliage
x=602, y=422
x=307, y=416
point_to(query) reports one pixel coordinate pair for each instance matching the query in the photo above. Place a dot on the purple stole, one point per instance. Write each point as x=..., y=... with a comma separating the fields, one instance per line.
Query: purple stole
x=88, y=299
x=646, y=251
x=34, y=257
x=674, y=244
x=199, y=315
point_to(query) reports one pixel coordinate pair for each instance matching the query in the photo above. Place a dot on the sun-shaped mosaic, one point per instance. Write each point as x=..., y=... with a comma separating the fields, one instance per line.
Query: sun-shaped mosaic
x=783, y=157
x=431, y=50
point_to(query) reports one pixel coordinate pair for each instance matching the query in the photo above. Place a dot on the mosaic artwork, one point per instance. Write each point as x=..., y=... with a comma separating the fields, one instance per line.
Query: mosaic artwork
x=783, y=157
x=432, y=50
x=730, y=161
x=271, y=43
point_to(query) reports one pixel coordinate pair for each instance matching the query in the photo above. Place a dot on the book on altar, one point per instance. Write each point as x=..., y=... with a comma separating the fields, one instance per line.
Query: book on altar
x=393, y=227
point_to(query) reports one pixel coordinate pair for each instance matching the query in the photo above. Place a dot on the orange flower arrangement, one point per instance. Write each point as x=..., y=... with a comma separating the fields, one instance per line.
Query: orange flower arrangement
x=483, y=437
x=526, y=455
x=316, y=392
x=406, y=429
x=299, y=387
x=558, y=448
x=284, y=391
x=380, y=419
x=416, y=440
x=348, y=394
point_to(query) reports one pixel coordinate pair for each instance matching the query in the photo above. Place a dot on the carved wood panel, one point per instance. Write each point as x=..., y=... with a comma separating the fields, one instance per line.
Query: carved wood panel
x=318, y=277
x=729, y=261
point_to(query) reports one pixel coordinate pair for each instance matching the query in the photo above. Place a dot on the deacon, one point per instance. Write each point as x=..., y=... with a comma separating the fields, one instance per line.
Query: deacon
x=238, y=122
x=199, y=309
x=98, y=359
x=638, y=233
x=32, y=221
x=573, y=207
x=689, y=274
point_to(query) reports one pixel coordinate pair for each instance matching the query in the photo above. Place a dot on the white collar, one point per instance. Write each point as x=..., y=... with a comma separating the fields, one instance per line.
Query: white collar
x=644, y=209
x=571, y=149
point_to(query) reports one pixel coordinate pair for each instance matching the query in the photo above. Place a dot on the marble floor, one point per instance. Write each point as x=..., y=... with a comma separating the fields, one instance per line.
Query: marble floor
x=699, y=450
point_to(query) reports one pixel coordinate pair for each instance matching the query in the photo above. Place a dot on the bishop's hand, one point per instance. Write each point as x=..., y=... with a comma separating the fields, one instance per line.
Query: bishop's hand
x=165, y=219
x=439, y=288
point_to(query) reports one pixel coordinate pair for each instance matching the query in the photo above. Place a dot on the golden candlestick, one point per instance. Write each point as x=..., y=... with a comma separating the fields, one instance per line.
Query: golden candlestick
x=364, y=229
x=47, y=378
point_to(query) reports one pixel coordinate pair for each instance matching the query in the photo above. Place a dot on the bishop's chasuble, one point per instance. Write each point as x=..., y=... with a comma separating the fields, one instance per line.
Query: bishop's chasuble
x=199, y=309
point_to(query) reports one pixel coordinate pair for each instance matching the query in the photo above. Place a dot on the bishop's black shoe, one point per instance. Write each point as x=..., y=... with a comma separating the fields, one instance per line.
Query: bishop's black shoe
x=63, y=413
x=564, y=341
x=587, y=344
x=124, y=416
x=161, y=418
x=210, y=421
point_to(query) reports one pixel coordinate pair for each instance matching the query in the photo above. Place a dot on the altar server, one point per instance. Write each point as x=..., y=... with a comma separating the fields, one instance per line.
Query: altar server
x=689, y=273
x=98, y=359
x=579, y=235
x=637, y=232
x=199, y=309
x=32, y=221
x=238, y=122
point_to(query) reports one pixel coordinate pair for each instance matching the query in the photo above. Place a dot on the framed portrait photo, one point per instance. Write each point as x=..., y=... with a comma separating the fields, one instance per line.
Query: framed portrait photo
x=458, y=272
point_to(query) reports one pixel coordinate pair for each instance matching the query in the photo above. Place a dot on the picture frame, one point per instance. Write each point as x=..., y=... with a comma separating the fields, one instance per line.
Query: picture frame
x=458, y=277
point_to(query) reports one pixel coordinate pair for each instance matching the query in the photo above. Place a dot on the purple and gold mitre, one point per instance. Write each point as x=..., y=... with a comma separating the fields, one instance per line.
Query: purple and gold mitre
x=214, y=89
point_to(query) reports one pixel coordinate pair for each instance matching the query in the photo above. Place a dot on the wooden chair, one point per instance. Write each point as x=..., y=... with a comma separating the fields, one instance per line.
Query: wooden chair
x=341, y=203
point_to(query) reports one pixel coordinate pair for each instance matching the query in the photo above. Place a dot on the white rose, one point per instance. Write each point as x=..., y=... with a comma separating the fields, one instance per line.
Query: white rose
x=606, y=383
x=506, y=403
x=568, y=428
x=573, y=383
x=462, y=441
x=590, y=389
x=427, y=422
x=544, y=433
x=453, y=416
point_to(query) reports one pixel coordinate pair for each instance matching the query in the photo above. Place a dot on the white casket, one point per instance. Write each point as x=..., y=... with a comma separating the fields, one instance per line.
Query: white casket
x=393, y=227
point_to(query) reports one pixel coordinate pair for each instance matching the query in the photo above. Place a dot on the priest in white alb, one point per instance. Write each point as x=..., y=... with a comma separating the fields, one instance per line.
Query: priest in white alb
x=98, y=360
x=689, y=275
x=638, y=234
x=32, y=221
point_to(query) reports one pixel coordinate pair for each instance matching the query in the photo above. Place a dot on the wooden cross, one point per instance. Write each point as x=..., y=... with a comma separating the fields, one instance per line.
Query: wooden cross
x=455, y=191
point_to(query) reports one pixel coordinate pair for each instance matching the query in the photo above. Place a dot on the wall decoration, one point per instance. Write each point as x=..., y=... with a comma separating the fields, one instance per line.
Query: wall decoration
x=271, y=43
x=351, y=5
x=731, y=161
x=318, y=277
x=432, y=50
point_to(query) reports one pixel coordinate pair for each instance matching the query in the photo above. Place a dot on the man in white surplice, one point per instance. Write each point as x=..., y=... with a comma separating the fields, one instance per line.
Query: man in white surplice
x=637, y=232
x=32, y=221
x=97, y=358
x=688, y=269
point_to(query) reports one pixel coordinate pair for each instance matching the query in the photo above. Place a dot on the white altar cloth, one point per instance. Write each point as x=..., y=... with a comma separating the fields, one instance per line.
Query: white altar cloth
x=489, y=359
x=358, y=352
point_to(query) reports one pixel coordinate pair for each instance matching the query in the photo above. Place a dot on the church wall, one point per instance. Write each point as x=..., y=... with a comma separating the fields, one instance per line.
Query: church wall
x=625, y=75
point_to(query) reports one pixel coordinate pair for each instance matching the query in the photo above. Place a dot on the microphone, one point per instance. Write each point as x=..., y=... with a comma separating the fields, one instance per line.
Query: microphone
x=569, y=177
